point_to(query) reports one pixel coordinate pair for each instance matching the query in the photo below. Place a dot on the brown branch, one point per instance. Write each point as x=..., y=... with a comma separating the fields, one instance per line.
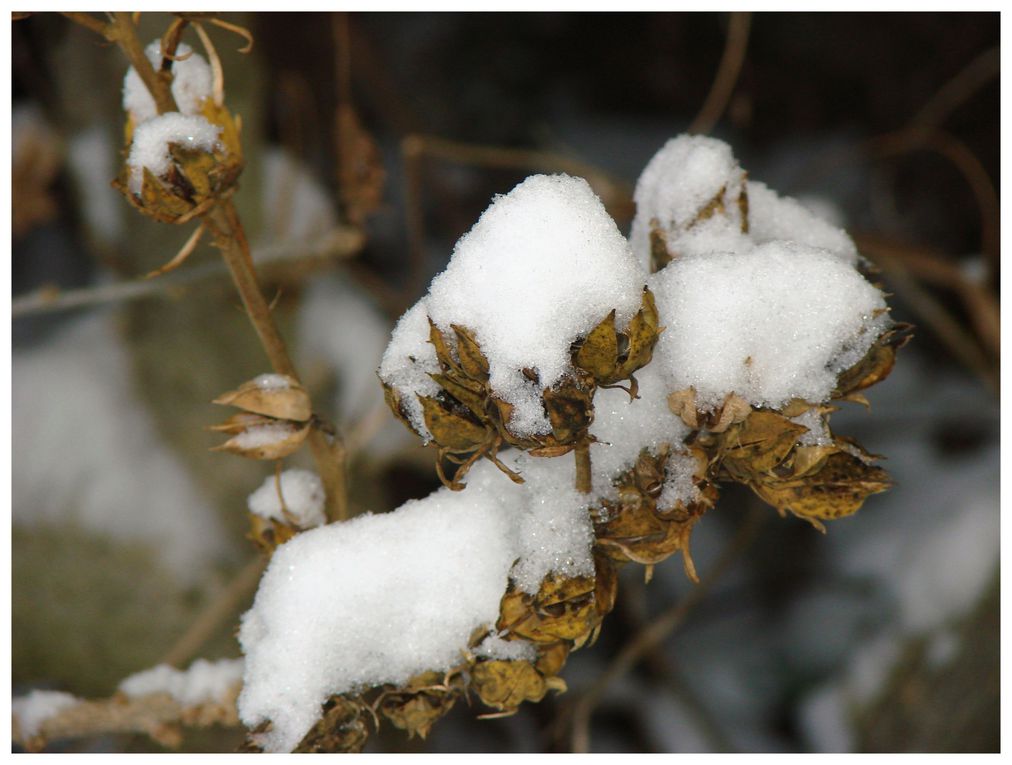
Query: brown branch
x=328, y=452
x=88, y=21
x=974, y=76
x=341, y=242
x=727, y=74
x=658, y=630
x=584, y=477
x=124, y=33
x=158, y=715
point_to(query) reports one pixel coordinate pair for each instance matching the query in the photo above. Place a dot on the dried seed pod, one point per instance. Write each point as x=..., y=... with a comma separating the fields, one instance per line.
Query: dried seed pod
x=836, y=489
x=877, y=362
x=505, y=685
x=611, y=356
x=732, y=410
x=270, y=440
x=195, y=177
x=273, y=395
x=341, y=727
x=418, y=704
x=267, y=534
x=564, y=608
x=636, y=527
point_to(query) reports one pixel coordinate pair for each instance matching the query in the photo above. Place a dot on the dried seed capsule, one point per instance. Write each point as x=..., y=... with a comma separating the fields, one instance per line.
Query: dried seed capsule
x=269, y=440
x=273, y=395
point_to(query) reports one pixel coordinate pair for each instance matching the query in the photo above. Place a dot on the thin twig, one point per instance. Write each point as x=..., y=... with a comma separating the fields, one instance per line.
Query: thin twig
x=584, y=479
x=658, y=630
x=124, y=33
x=727, y=74
x=957, y=91
x=88, y=21
x=341, y=242
x=217, y=613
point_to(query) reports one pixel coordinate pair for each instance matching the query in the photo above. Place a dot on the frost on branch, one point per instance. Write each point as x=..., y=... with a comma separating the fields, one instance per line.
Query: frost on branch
x=753, y=323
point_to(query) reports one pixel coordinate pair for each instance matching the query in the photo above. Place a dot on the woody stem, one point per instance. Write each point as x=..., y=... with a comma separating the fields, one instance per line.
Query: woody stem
x=583, y=477
x=327, y=448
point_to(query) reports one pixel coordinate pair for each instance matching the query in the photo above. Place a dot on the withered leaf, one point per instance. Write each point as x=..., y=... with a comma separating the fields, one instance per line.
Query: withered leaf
x=660, y=256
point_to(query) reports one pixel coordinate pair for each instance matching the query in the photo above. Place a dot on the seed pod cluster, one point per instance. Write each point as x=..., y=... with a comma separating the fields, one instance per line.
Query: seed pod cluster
x=468, y=420
x=767, y=449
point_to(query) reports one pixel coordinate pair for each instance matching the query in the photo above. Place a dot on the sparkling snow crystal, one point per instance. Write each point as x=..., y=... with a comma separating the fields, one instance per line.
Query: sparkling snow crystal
x=542, y=266
x=150, y=147
x=191, y=83
x=303, y=494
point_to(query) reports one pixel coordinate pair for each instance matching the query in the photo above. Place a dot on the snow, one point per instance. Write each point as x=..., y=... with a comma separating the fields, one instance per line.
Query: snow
x=625, y=427
x=818, y=431
x=376, y=599
x=303, y=495
x=294, y=205
x=191, y=83
x=34, y=709
x=204, y=682
x=542, y=267
x=93, y=159
x=87, y=453
x=679, y=181
x=776, y=323
x=272, y=381
x=151, y=140
x=772, y=217
x=262, y=435
x=381, y=598
x=688, y=173
x=408, y=361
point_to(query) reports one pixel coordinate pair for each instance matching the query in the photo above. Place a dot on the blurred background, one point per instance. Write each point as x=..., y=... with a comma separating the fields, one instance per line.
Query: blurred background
x=372, y=142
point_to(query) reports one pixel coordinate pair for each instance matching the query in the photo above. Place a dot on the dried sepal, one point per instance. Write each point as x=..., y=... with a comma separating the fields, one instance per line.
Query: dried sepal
x=278, y=396
x=753, y=448
x=419, y=703
x=611, y=356
x=876, y=364
x=268, y=534
x=733, y=409
x=505, y=685
x=341, y=728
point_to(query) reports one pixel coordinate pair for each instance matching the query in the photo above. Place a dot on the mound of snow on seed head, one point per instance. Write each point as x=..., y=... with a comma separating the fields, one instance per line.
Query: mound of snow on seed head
x=303, y=494
x=382, y=598
x=151, y=141
x=772, y=324
x=541, y=268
